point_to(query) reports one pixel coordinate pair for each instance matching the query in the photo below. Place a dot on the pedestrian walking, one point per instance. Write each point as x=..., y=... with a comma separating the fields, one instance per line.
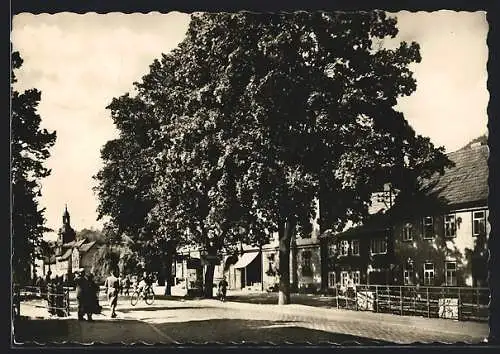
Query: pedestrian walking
x=112, y=285
x=126, y=285
x=223, y=289
x=59, y=297
x=92, y=306
x=50, y=296
x=81, y=293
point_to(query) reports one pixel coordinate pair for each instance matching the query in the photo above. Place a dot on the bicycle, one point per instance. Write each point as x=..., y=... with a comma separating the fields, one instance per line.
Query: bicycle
x=147, y=294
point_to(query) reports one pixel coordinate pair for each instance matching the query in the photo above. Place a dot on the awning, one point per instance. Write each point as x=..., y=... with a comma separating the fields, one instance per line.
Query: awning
x=246, y=259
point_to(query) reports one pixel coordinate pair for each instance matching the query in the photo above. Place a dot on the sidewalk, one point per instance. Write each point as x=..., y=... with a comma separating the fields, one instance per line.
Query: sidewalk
x=177, y=320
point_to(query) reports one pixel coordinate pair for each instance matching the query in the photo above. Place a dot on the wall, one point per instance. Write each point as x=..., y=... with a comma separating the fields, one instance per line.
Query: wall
x=462, y=249
x=87, y=259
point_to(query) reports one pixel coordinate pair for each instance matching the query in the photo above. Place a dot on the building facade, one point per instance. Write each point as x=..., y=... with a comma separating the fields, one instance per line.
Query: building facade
x=438, y=237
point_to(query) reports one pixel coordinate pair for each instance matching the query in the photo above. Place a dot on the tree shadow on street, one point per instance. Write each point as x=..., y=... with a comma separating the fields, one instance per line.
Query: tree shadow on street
x=238, y=331
x=159, y=308
x=29, y=332
x=272, y=299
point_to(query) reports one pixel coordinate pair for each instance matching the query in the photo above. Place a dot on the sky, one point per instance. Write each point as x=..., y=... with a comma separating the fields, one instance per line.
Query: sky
x=80, y=62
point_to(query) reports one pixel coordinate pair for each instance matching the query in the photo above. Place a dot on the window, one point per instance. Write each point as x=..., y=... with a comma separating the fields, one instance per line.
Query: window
x=344, y=247
x=478, y=223
x=356, y=277
x=349, y=278
x=451, y=273
x=344, y=278
x=332, y=249
x=428, y=274
x=407, y=236
x=428, y=228
x=449, y=225
x=378, y=246
x=408, y=274
x=306, y=263
x=331, y=279
x=355, y=247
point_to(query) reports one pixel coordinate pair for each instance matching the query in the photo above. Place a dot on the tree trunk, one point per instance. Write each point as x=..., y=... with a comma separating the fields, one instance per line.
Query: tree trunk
x=209, y=281
x=284, y=261
x=208, y=284
x=294, y=260
x=169, y=259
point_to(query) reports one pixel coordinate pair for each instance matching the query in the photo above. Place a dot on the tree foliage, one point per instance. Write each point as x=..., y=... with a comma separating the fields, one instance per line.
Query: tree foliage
x=259, y=115
x=30, y=147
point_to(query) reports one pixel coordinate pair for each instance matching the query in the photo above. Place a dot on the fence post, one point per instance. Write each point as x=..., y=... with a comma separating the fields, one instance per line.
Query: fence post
x=376, y=298
x=415, y=294
x=66, y=298
x=356, y=296
x=401, y=298
x=445, y=306
x=389, y=298
x=428, y=304
x=459, y=305
x=337, y=295
x=477, y=302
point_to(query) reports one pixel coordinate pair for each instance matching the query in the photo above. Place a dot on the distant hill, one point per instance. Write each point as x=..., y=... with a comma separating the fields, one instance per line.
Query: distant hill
x=483, y=139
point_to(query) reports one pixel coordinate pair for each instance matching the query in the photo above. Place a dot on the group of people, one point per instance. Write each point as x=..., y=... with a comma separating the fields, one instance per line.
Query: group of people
x=87, y=295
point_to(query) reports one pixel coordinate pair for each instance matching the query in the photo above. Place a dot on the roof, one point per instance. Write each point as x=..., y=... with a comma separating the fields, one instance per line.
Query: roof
x=85, y=247
x=66, y=255
x=79, y=243
x=466, y=182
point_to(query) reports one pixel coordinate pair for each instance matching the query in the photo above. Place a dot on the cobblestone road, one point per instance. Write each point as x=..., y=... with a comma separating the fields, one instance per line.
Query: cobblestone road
x=210, y=321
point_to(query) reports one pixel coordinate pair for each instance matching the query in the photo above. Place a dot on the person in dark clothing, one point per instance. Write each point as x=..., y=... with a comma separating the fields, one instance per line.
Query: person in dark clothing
x=81, y=294
x=93, y=297
x=223, y=289
x=46, y=284
x=50, y=296
x=59, y=297
x=126, y=285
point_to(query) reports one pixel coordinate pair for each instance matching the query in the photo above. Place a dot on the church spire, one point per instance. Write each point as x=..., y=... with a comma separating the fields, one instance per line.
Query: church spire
x=66, y=215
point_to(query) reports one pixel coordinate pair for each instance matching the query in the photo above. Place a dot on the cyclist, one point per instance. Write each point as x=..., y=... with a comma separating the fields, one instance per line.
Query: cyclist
x=145, y=283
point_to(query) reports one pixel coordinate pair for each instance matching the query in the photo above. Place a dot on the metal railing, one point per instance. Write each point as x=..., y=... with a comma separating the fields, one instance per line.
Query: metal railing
x=459, y=303
x=55, y=300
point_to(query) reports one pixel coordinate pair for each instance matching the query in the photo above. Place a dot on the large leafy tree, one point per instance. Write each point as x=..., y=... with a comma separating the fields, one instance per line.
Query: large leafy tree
x=29, y=149
x=303, y=105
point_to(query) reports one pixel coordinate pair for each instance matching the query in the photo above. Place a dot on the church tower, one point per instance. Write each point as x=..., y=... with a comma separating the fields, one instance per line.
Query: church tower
x=66, y=232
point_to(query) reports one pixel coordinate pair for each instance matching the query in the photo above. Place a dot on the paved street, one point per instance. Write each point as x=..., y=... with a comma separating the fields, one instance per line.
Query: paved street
x=177, y=321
